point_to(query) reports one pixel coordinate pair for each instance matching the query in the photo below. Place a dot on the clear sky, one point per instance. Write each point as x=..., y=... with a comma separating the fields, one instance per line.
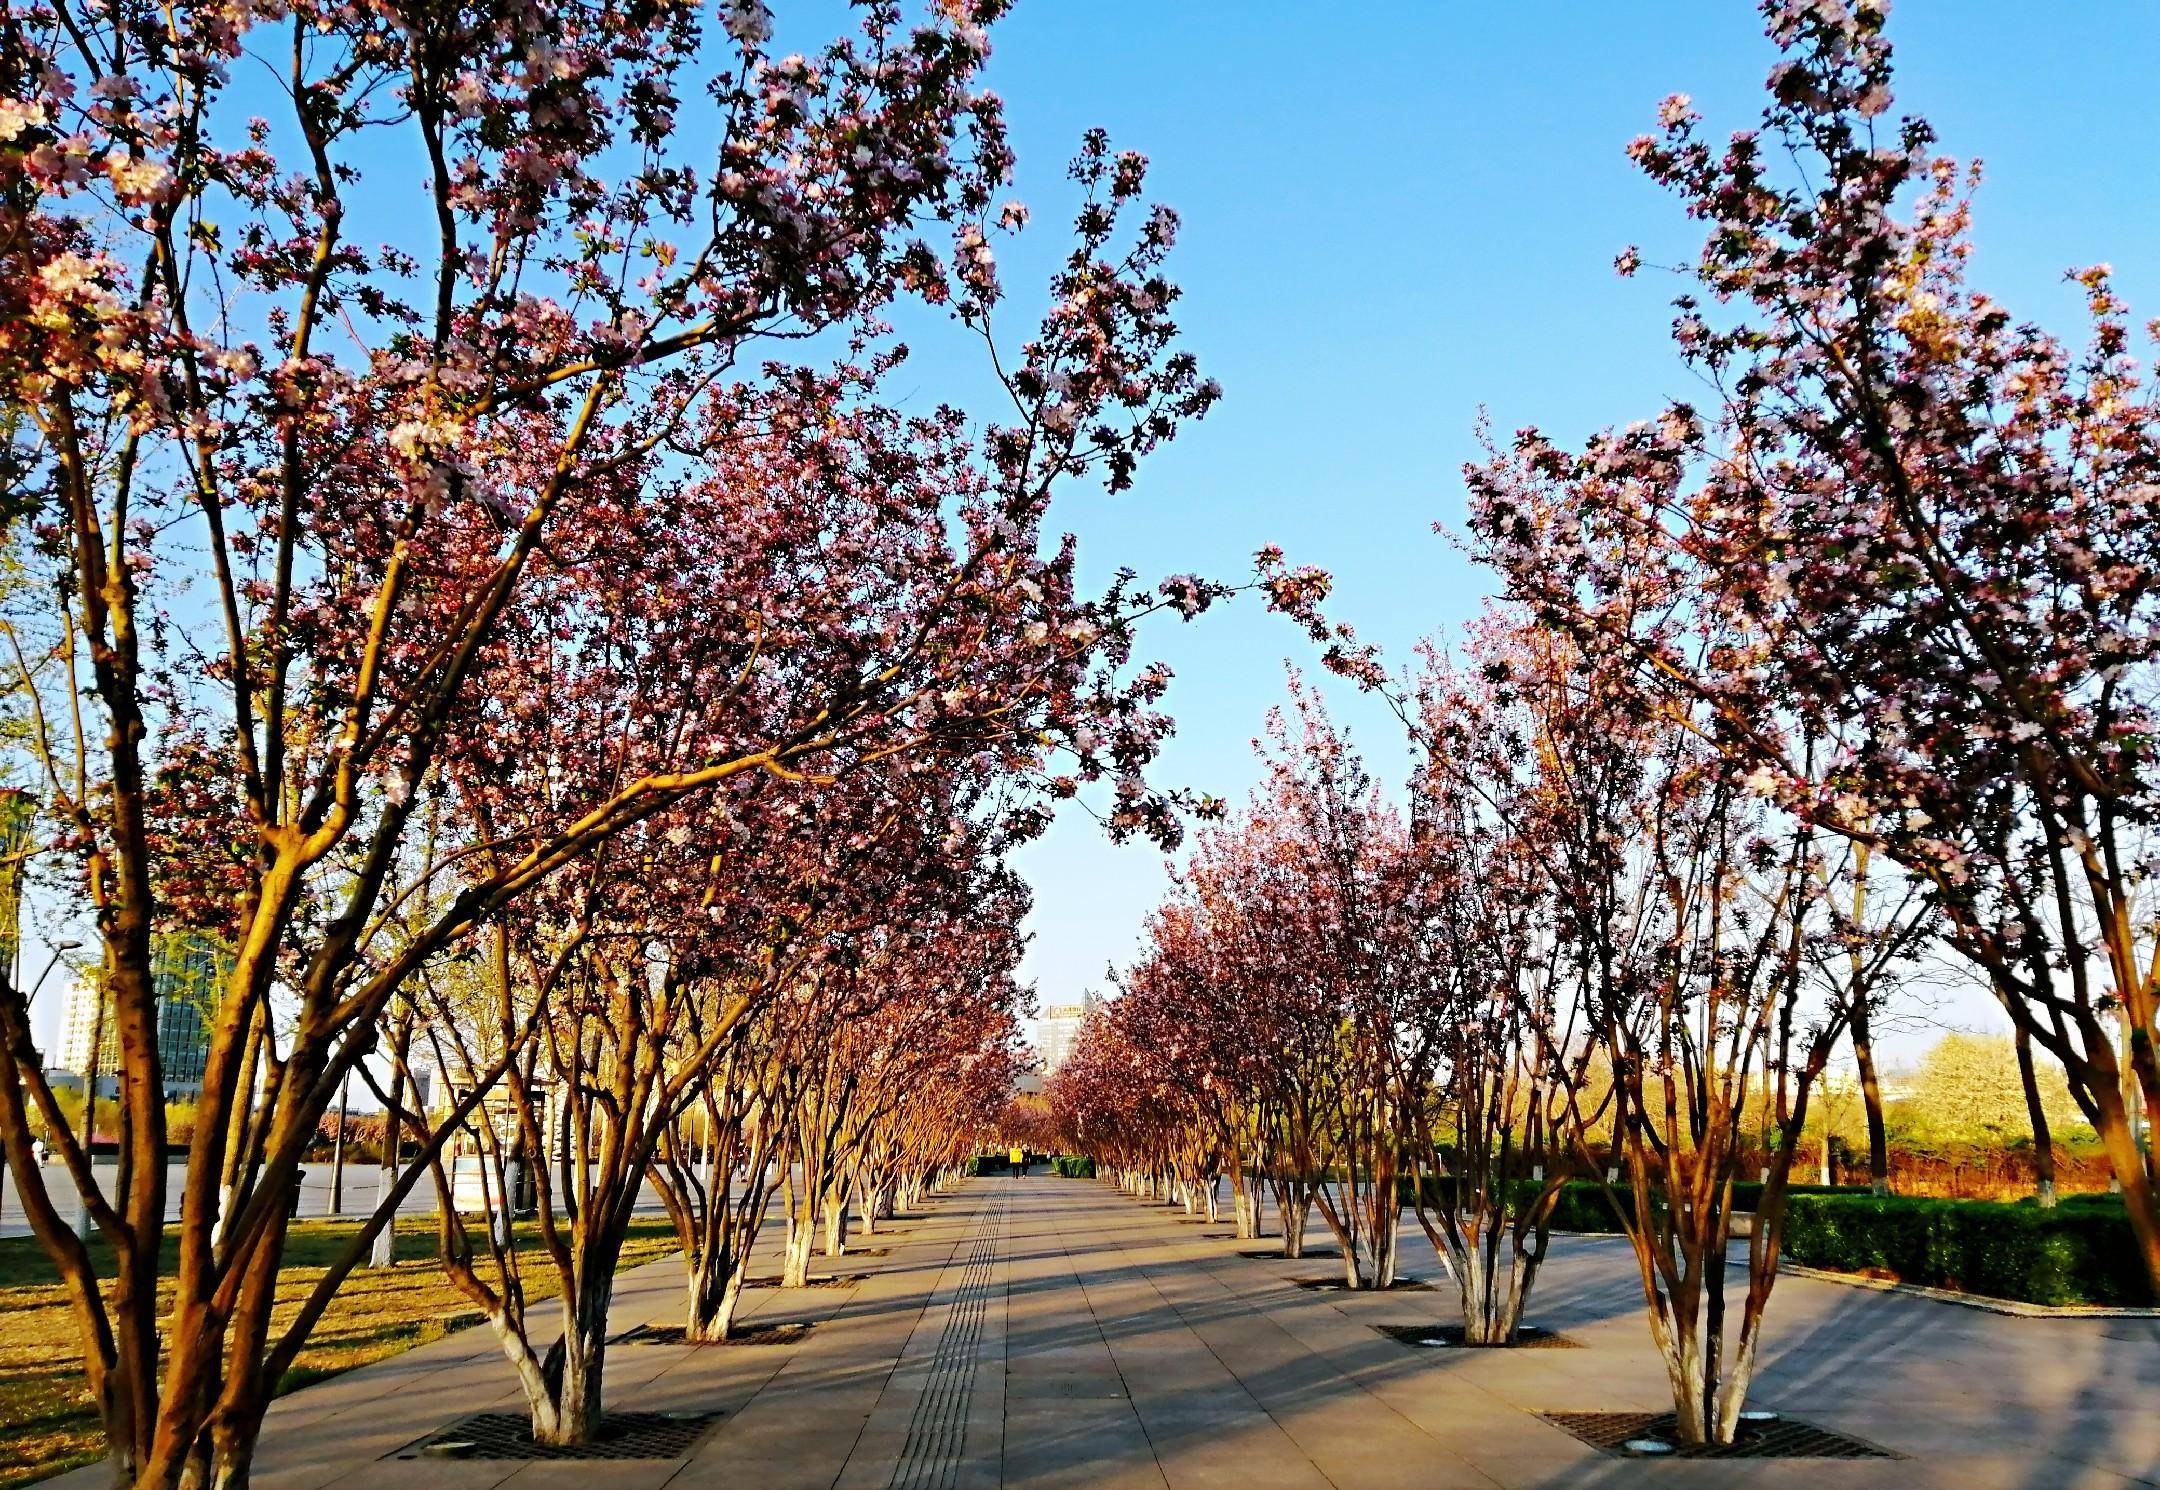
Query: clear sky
x=1396, y=214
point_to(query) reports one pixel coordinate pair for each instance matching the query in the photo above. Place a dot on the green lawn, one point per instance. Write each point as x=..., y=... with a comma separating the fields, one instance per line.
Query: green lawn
x=46, y=1420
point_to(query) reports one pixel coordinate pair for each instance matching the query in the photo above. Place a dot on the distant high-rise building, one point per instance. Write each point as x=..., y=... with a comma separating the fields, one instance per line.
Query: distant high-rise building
x=1059, y=1027
x=186, y=969
x=79, y=1026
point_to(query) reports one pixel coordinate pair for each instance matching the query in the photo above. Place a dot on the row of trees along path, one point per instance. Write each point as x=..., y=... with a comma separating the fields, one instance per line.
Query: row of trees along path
x=1772, y=700
x=530, y=648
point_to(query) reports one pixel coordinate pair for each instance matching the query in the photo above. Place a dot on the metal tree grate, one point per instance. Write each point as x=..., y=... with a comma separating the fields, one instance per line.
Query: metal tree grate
x=673, y=1334
x=834, y=1280
x=1274, y=1254
x=1781, y=1438
x=1336, y=1285
x=1432, y=1336
x=508, y=1435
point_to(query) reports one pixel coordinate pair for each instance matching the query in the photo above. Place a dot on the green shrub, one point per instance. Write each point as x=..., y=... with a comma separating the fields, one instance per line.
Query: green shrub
x=2097, y=1200
x=1747, y=1194
x=1582, y=1205
x=2080, y=1254
x=1074, y=1166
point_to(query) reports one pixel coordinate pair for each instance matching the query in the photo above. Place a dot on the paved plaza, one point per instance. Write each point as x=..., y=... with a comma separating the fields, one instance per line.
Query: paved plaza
x=1049, y=1333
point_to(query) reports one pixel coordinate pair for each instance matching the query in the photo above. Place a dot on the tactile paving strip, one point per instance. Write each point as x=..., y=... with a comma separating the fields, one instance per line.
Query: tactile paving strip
x=930, y=1458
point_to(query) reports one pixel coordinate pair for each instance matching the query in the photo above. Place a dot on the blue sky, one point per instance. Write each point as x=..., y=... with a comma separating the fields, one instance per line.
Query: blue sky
x=1396, y=214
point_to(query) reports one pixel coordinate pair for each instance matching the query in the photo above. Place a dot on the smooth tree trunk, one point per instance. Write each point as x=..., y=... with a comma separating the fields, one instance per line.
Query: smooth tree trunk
x=1245, y=1202
x=836, y=1223
x=1294, y=1205
x=713, y=1288
x=1871, y=1098
x=570, y=1413
x=1492, y=1296
x=873, y=1204
x=795, y=1256
x=2043, y=1140
x=1493, y=1251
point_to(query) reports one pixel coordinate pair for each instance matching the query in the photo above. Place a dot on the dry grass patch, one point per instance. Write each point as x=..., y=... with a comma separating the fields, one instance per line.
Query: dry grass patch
x=47, y=1423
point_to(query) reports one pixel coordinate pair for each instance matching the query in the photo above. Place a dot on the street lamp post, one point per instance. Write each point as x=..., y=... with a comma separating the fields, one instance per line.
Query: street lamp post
x=337, y=1149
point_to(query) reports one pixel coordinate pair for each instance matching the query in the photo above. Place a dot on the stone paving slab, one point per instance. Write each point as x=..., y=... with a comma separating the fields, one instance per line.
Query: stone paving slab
x=1048, y=1333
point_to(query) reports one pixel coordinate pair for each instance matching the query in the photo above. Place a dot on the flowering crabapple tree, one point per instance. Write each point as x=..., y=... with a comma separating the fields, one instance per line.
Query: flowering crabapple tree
x=808, y=878
x=1113, y=1101
x=889, y=1003
x=1497, y=1129
x=1178, y=1004
x=292, y=497
x=945, y=1003
x=1350, y=941
x=679, y=946
x=1929, y=529
x=1280, y=990
x=818, y=598
x=1690, y=914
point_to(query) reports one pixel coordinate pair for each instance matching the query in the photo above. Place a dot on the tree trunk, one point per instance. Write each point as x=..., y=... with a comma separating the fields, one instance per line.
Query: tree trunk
x=2043, y=1141
x=1245, y=1196
x=2124, y=1157
x=1296, y=1209
x=873, y=1202
x=714, y=1288
x=574, y=1368
x=835, y=1224
x=1878, y=1132
x=795, y=1258
x=1483, y=1318
x=1369, y=1260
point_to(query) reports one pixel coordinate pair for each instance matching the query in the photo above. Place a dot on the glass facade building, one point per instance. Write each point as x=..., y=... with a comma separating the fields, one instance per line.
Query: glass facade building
x=187, y=970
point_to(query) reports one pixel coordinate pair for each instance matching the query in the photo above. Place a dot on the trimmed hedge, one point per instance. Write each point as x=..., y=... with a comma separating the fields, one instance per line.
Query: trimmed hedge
x=2082, y=1254
x=1074, y=1166
x=1582, y=1205
x=1747, y=1194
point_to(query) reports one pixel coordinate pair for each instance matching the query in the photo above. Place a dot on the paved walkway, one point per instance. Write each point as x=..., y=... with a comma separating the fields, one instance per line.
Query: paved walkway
x=1049, y=1333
